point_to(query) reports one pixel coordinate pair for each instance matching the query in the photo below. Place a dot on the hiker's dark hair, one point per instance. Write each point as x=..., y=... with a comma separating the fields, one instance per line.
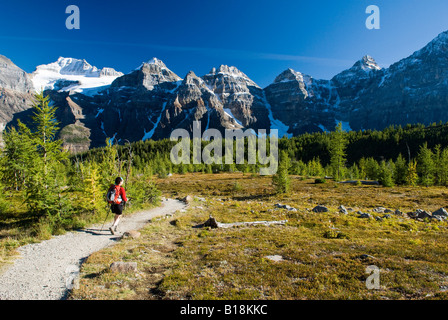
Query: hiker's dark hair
x=118, y=180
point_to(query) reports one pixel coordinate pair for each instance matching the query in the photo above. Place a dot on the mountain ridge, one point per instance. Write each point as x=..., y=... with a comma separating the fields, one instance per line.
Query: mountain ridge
x=151, y=101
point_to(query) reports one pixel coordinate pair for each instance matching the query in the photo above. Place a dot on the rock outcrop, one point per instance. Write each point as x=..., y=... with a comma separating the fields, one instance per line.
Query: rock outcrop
x=16, y=90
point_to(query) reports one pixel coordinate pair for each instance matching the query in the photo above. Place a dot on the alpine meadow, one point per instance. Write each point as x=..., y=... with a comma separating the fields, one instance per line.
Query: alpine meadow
x=343, y=206
x=269, y=158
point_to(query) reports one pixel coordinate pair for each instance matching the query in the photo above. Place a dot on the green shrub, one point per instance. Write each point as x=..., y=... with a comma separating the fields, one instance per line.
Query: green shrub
x=332, y=234
x=142, y=192
x=237, y=186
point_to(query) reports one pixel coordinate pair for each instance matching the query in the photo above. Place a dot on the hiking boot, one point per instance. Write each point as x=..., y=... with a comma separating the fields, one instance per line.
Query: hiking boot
x=112, y=230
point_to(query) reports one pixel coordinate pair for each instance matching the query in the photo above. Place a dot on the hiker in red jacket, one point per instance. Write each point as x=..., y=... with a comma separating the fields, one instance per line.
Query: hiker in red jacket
x=118, y=205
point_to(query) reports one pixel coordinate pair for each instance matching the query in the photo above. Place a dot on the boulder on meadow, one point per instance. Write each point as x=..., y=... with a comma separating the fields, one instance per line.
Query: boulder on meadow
x=422, y=214
x=187, y=199
x=440, y=212
x=320, y=208
x=123, y=267
x=134, y=234
x=342, y=209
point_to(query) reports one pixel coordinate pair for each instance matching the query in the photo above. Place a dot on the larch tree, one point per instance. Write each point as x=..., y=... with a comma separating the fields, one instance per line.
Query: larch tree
x=337, y=149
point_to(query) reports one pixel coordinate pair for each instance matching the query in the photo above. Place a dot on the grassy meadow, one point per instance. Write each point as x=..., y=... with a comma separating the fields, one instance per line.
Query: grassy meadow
x=321, y=255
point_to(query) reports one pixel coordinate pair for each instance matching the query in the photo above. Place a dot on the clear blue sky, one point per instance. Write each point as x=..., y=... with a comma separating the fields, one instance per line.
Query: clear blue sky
x=261, y=38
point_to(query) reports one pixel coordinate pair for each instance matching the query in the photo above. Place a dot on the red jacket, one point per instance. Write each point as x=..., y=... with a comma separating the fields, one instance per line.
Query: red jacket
x=121, y=194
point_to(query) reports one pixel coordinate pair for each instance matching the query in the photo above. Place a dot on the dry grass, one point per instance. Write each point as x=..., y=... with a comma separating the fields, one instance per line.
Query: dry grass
x=178, y=261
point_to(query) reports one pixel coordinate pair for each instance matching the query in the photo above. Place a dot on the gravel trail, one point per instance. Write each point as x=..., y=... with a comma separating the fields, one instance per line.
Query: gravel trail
x=44, y=269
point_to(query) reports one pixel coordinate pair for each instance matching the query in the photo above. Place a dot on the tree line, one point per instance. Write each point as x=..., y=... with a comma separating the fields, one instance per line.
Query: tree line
x=67, y=190
x=411, y=155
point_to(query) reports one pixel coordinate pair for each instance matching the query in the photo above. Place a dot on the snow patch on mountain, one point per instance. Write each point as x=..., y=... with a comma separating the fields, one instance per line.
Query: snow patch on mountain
x=276, y=124
x=101, y=110
x=230, y=114
x=322, y=127
x=148, y=135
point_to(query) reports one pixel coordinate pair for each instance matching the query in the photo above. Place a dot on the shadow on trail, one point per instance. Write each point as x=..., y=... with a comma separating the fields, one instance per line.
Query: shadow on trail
x=98, y=232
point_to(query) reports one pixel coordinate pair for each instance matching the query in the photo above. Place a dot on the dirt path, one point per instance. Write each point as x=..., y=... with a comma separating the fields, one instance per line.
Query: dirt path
x=44, y=270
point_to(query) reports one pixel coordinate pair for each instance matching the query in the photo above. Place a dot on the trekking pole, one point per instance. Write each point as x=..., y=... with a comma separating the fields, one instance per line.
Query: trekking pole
x=106, y=218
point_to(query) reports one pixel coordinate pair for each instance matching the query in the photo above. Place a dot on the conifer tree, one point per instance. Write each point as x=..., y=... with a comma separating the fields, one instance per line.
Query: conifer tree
x=386, y=173
x=43, y=188
x=362, y=168
x=372, y=169
x=109, y=167
x=426, y=166
x=18, y=155
x=281, y=179
x=209, y=168
x=400, y=170
x=46, y=127
x=412, y=176
x=93, y=195
x=442, y=167
x=337, y=147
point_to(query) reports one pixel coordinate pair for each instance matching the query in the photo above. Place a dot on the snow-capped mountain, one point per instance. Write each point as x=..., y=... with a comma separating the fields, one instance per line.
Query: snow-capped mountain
x=72, y=74
x=363, y=69
x=154, y=61
x=151, y=101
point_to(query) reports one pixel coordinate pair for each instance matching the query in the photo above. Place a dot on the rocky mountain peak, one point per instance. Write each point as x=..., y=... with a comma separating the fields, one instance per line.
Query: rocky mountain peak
x=437, y=48
x=154, y=61
x=192, y=79
x=435, y=53
x=229, y=70
x=367, y=63
x=12, y=77
x=74, y=66
x=228, y=74
x=292, y=75
x=151, y=101
x=362, y=69
x=15, y=92
x=5, y=61
x=110, y=72
x=148, y=75
x=442, y=37
x=159, y=70
x=242, y=99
